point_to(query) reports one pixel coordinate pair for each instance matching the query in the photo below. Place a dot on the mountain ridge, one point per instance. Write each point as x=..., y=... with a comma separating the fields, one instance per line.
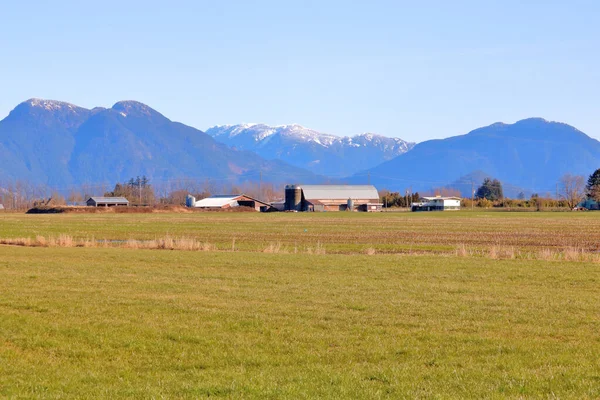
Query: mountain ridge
x=319, y=152
x=58, y=144
x=531, y=154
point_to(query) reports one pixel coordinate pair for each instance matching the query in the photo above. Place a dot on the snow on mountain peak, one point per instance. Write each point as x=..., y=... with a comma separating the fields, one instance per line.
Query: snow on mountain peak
x=51, y=105
x=304, y=147
x=135, y=108
x=259, y=133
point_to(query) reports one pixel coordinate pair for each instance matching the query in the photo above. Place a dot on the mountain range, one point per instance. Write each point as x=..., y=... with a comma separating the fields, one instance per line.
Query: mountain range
x=530, y=155
x=321, y=153
x=60, y=144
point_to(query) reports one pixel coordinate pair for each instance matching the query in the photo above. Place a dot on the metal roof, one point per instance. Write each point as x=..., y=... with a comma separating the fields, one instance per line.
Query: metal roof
x=322, y=192
x=109, y=199
x=217, y=201
x=441, y=198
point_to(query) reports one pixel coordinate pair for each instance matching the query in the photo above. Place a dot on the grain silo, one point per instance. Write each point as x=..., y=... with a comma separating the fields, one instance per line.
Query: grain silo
x=350, y=205
x=190, y=201
x=293, y=198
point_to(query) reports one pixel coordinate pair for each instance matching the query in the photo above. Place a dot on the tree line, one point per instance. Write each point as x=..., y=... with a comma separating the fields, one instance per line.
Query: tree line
x=22, y=195
x=571, y=191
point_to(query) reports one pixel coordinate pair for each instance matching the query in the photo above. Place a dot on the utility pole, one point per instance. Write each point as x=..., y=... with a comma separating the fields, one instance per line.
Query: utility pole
x=369, y=177
x=260, y=183
x=472, y=195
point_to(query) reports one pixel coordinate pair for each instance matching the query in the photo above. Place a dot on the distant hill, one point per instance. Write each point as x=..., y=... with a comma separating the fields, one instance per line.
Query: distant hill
x=318, y=152
x=471, y=182
x=529, y=155
x=56, y=143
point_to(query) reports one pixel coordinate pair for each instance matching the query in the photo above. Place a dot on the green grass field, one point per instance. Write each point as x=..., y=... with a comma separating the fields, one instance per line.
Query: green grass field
x=127, y=323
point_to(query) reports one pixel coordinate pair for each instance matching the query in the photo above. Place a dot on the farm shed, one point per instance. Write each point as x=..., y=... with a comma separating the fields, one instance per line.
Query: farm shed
x=436, y=203
x=107, y=201
x=227, y=201
x=278, y=205
x=589, y=204
x=332, y=198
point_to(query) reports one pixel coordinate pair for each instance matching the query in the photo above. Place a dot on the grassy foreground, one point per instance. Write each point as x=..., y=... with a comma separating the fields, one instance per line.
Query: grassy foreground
x=115, y=323
x=342, y=233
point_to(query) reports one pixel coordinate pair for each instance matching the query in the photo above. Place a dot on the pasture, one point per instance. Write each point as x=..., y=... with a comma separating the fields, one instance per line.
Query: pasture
x=410, y=319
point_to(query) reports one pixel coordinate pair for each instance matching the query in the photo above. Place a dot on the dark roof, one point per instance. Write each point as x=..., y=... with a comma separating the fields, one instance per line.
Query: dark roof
x=109, y=200
x=256, y=200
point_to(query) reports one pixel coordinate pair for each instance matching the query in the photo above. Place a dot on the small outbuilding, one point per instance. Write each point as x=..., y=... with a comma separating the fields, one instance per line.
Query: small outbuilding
x=228, y=201
x=589, y=204
x=107, y=202
x=437, y=203
x=1, y=207
x=278, y=205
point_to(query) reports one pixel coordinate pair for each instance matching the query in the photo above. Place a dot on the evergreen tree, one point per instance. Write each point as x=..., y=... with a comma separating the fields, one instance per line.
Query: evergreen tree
x=490, y=189
x=592, y=188
x=497, y=189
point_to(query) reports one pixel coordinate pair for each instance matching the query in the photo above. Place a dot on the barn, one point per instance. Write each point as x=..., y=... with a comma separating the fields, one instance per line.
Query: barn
x=332, y=198
x=227, y=201
x=107, y=201
x=436, y=203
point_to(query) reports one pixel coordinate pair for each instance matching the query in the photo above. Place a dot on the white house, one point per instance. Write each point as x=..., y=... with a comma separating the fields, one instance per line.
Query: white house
x=437, y=203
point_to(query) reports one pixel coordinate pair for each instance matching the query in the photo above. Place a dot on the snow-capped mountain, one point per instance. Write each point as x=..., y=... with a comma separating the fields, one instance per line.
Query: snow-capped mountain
x=58, y=144
x=321, y=153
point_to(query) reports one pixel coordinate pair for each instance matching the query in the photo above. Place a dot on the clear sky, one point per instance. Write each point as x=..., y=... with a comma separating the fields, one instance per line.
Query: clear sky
x=411, y=69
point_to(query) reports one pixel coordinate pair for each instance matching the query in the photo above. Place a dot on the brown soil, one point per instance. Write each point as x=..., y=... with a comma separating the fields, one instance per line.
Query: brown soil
x=130, y=210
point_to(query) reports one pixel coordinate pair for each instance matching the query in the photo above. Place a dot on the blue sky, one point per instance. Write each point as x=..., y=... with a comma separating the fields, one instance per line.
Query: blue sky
x=416, y=70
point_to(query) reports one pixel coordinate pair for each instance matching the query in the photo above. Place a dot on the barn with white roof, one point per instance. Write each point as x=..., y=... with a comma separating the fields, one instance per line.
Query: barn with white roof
x=227, y=201
x=332, y=198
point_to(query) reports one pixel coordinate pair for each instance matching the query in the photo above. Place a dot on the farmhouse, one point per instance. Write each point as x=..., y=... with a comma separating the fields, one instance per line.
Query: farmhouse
x=437, y=203
x=227, y=201
x=332, y=198
x=107, y=201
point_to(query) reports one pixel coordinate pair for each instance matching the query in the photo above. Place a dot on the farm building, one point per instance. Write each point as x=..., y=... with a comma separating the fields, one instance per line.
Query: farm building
x=332, y=198
x=278, y=205
x=227, y=201
x=437, y=203
x=589, y=204
x=107, y=201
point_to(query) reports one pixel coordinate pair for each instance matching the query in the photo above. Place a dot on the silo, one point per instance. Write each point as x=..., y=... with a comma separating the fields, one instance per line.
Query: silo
x=190, y=201
x=350, y=206
x=293, y=198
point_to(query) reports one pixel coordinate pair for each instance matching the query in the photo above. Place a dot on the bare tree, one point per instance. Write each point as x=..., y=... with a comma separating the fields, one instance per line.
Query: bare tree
x=572, y=189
